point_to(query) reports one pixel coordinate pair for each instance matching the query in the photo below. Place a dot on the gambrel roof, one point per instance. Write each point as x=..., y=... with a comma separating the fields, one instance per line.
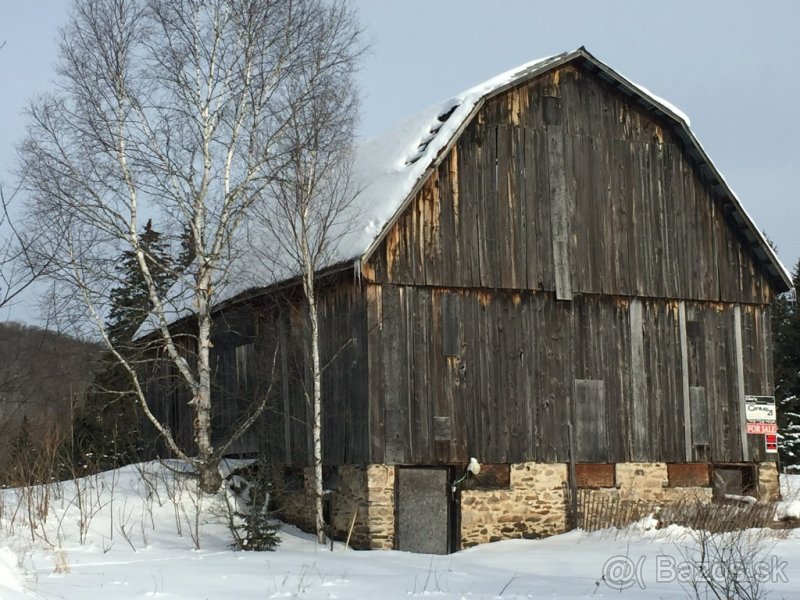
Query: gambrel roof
x=390, y=168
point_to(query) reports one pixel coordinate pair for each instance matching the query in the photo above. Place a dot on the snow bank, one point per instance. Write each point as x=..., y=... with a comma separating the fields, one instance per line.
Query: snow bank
x=11, y=580
x=137, y=540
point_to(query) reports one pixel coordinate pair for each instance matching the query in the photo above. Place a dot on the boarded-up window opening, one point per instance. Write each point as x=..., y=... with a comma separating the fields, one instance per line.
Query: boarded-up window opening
x=451, y=335
x=739, y=480
x=590, y=420
x=595, y=476
x=688, y=474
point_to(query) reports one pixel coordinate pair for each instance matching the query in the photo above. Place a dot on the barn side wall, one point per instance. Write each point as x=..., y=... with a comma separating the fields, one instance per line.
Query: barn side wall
x=500, y=375
x=259, y=352
x=279, y=361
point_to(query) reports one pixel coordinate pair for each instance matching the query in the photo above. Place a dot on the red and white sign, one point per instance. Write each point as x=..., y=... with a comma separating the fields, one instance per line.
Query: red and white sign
x=762, y=428
x=771, y=441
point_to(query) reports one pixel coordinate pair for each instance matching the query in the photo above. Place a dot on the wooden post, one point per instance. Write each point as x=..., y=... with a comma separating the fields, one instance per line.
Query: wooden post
x=559, y=213
x=640, y=428
x=352, y=524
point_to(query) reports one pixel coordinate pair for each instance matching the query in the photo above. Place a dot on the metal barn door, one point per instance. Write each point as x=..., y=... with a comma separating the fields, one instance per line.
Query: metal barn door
x=423, y=511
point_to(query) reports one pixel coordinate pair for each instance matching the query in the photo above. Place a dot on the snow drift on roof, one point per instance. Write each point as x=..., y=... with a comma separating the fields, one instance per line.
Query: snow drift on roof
x=389, y=166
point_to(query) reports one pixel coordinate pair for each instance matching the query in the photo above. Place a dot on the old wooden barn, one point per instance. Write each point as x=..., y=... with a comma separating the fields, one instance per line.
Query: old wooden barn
x=550, y=276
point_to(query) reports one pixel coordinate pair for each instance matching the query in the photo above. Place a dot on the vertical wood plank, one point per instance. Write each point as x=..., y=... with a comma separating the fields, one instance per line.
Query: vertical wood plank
x=687, y=412
x=589, y=409
x=639, y=430
x=375, y=371
x=737, y=324
x=559, y=216
x=700, y=430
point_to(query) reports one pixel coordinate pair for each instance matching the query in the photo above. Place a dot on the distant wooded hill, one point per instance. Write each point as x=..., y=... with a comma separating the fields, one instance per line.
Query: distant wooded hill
x=44, y=376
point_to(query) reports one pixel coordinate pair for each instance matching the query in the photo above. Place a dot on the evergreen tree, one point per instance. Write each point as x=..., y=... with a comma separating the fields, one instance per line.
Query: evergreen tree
x=257, y=529
x=786, y=359
x=130, y=301
x=109, y=432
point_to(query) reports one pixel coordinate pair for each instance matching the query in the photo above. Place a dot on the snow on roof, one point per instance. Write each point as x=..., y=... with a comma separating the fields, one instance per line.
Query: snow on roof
x=387, y=168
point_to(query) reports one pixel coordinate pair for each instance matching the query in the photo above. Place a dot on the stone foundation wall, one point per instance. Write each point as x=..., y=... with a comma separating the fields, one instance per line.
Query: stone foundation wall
x=534, y=506
x=366, y=491
x=769, y=488
x=380, y=490
x=650, y=483
x=296, y=506
x=535, y=503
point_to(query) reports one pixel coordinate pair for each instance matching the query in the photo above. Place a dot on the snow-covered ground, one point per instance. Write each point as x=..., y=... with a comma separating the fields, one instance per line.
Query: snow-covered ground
x=130, y=534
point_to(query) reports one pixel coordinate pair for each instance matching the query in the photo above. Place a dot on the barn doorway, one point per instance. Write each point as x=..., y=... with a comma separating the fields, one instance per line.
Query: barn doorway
x=426, y=519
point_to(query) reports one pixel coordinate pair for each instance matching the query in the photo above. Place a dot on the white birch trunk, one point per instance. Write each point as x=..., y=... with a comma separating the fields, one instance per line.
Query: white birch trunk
x=210, y=478
x=316, y=394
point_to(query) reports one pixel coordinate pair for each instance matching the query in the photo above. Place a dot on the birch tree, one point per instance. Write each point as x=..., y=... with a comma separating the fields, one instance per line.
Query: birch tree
x=307, y=208
x=179, y=108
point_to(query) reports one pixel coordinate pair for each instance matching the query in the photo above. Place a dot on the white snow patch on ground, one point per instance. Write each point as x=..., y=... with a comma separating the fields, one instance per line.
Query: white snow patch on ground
x=136, y=542
x=789, y=508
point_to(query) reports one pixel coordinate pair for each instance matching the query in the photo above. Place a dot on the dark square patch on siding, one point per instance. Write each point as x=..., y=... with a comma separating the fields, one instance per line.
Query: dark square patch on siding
x=491, y=477
x=688, y=475
x=594, y=475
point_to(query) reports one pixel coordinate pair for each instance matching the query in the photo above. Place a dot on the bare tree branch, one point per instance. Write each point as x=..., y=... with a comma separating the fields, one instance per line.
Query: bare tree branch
x=17, y=271
x=182, y=111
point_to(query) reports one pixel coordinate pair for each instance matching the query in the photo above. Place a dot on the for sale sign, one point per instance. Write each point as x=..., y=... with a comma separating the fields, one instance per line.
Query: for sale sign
x=760, y=409
x=762, y=428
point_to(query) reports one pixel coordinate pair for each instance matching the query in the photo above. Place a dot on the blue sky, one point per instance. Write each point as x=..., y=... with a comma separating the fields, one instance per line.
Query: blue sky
x=732, y=66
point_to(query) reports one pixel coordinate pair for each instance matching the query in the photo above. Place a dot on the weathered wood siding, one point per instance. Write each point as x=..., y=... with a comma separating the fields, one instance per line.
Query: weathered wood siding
x=564, y=263
x=260, y=349
x=564, y=184
x=498, y=375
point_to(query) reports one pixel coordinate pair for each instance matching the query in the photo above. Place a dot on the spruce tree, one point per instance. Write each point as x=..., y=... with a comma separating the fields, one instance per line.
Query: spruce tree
x=109, y=430
x=130, y=300
x=786, y=359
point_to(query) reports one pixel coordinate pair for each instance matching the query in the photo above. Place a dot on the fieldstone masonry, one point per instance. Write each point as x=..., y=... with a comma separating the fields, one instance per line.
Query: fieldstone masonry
x=364, y=491
x=534, y=505
x=768, y=484
x=368, y=493
x=650, y=482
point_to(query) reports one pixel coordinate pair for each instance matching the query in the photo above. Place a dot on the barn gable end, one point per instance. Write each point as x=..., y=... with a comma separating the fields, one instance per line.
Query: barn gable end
x=565, y=184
